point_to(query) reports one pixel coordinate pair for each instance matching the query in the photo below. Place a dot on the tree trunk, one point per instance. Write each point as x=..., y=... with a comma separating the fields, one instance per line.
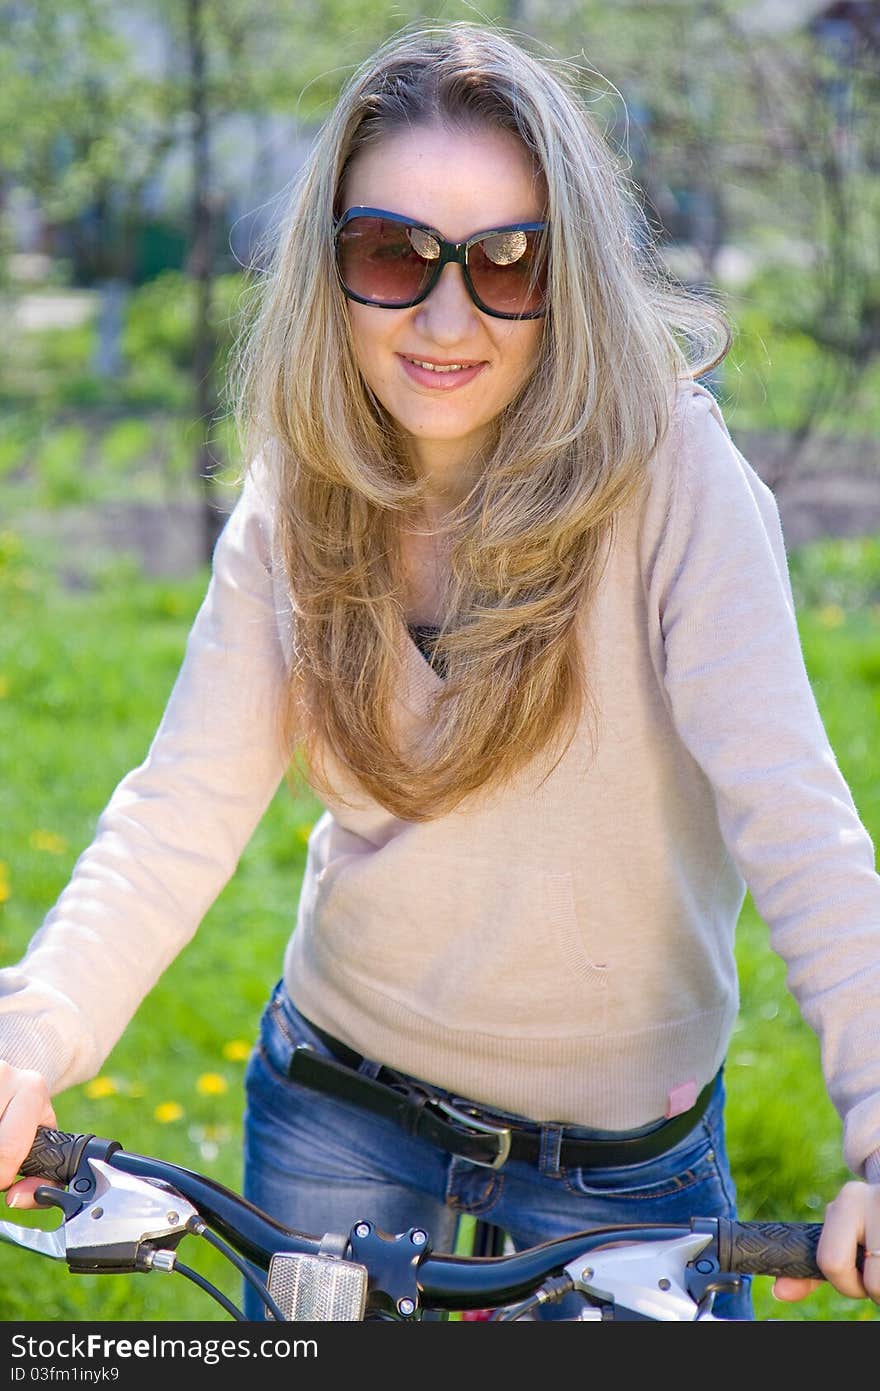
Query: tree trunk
x=201, y=270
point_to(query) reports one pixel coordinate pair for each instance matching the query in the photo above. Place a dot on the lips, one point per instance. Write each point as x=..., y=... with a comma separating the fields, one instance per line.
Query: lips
x=440, y=381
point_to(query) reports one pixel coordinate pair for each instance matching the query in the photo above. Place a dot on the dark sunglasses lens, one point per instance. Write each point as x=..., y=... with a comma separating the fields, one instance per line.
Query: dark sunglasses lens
x=508, y=271
x=384, y=261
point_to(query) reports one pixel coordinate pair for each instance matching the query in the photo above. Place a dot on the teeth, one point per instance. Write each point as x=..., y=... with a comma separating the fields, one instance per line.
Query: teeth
x=434, y=367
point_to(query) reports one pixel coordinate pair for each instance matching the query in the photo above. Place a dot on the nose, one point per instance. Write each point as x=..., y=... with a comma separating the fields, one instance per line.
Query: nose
x=449, y=314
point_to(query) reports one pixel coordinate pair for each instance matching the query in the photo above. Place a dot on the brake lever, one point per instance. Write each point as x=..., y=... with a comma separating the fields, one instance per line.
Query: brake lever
x=33, y=1239
x=650, y=1279
x=116, y=1227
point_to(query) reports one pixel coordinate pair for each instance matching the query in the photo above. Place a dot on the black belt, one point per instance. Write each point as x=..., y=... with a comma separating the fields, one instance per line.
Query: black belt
x=468, y=1132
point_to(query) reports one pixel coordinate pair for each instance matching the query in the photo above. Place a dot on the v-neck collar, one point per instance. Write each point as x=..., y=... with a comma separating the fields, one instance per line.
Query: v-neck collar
x=421, y=681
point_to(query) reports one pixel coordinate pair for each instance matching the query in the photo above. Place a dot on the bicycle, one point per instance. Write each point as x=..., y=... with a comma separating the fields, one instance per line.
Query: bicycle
x=124, y=1213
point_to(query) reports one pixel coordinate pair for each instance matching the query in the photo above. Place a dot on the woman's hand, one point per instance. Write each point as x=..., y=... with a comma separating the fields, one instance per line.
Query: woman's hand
x=24, y=1105
x=852, y=1219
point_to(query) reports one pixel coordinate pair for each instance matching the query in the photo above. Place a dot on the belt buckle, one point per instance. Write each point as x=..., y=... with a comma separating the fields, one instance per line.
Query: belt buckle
x=499, y=1132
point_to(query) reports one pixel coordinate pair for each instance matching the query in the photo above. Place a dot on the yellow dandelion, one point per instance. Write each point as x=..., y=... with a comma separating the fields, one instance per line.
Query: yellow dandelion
x=211, y=1084
x=831, y=616
x=99, y=1087
x=49, y=841
x=303, y=831
x=168, y=1111
x=236, y=1050
x=4, y=687
x=5, y=886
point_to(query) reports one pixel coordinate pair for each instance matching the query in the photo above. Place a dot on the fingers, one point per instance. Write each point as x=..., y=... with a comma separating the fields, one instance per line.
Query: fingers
x=791, y=1290
x=871, y=1273
x=21, y=1194
x=852, y=1219
x=24, y=1104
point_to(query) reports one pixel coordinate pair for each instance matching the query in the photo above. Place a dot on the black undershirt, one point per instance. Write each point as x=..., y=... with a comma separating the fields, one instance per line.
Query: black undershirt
x=423, y=635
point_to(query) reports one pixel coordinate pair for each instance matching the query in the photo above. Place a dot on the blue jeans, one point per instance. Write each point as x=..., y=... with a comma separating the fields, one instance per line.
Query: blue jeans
x=319, y=1164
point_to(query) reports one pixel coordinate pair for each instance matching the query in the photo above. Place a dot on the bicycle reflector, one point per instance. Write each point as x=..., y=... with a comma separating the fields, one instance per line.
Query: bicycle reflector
x=317, y=1288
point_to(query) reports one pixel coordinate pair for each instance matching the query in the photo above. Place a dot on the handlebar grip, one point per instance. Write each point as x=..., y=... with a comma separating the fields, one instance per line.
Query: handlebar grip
x=54, y=1155
x=770, y=1248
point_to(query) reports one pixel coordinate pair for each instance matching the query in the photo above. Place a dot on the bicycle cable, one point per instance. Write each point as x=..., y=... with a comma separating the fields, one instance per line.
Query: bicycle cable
x=199, y=1227
x=210, y=1289
x=551, y=1292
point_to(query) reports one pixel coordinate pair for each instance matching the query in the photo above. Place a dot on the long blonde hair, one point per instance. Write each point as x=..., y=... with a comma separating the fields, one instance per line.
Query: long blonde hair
x=568, y=453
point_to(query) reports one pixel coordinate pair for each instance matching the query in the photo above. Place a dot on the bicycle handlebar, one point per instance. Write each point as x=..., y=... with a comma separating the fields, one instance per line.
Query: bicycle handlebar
x=55, y=1155
x=705, y=1249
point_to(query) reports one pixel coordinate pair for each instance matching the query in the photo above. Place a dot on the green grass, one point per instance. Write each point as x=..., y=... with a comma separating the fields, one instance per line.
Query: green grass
x=83, y=681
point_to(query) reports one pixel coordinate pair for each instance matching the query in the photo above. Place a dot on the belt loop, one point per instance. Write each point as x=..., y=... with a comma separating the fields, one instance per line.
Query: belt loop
x=369, y=1068
x=551, y=1144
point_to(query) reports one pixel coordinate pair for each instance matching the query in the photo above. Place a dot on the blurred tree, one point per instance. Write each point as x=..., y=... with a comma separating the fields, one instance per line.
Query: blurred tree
x=815, y=92
x=733, y=130
x=751, y=125
x=94, y=98
x=80, y=127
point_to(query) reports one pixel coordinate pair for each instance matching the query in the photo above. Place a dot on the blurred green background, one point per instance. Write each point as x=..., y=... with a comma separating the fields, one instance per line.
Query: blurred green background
x=145, y=156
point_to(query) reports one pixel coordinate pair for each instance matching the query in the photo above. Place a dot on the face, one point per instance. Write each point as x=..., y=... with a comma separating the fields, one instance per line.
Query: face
x=460, y=184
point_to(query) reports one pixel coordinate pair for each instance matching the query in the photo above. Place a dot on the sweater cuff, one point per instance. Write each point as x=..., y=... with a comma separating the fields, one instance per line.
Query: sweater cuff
x=872, y=1167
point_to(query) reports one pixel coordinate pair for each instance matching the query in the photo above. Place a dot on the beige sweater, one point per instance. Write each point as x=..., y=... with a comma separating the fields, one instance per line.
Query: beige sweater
x=563, y=948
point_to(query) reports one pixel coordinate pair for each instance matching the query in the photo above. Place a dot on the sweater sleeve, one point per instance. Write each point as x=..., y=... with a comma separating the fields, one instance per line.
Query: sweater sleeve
x=173, y=830
x=742, y=702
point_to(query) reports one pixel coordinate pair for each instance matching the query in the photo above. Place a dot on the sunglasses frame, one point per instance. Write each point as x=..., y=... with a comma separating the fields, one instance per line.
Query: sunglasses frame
x=449, y=251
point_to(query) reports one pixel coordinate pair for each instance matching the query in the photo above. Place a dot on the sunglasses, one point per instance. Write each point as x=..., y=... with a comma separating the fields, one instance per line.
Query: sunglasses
x=391, y=262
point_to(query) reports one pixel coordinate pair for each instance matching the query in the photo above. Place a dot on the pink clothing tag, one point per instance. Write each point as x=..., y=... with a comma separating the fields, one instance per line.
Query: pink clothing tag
x=681, y=1098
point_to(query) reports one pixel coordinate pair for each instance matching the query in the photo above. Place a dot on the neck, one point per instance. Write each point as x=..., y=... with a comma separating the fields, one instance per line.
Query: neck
x=447, y=471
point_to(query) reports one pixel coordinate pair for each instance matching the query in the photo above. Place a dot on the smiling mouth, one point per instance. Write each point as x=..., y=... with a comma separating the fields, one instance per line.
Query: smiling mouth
x=442, y=367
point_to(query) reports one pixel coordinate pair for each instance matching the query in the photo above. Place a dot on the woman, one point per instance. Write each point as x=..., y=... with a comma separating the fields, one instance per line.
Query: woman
x=499, y=570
